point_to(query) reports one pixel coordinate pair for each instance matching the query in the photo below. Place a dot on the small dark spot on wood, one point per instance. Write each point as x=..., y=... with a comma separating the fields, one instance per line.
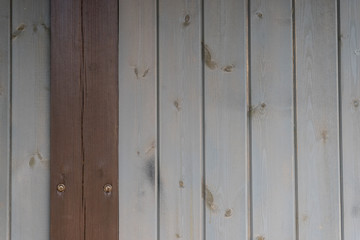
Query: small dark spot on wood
x=181, y=184
x=263, y=105
x=260, y=108
x=324, y=135
x=260, y=238
x=150, y=169
x=138, y=153
x=178, y=236
x=356, y=103
x=187, y=20
x=228, y=68
x=228, y=212
x=32, y=161
x=209, y=62
x=136, y=71
x=177, y=104
x=259, y=14
x=18, y=31
x=145, y=73
x=46, y=28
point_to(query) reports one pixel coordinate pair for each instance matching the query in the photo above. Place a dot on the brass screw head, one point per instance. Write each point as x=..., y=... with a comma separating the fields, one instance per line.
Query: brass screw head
x=107, y=188
x=61, y=187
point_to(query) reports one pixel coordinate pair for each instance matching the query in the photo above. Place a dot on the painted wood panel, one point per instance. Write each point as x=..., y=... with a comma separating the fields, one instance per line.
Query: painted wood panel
x=226, y=158
x=349, y=37
x=180, y=120
x=138, y=168
x=5, y=107
x=272, y=120
x=317, y=120
x=30, y=210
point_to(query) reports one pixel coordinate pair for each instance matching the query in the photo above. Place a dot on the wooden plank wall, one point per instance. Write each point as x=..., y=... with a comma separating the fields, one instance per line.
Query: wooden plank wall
x=237, y=119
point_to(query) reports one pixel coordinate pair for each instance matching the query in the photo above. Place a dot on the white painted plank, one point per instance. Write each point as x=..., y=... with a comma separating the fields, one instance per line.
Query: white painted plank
x=137, y=120
x=317, y=120
x=180, y=106
x=272, y=120
x=350, y=85
x=4, y=119
x=30, y=115
x=225, y=29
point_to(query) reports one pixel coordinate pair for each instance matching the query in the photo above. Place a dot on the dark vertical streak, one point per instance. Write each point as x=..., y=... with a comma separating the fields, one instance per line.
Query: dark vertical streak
x=202, y=25
x=157, y=120
x=296, y=192
x=341, y=183
x=249, y=132
x=10, y=57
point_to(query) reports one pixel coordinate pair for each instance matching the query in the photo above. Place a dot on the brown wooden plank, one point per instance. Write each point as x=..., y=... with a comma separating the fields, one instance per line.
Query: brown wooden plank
x=100, y=117
x=84, y=119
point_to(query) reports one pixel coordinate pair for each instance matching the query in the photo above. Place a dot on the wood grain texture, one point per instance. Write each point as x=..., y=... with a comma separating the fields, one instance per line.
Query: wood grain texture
x=225, y=35
x=84, y=109
x=30, y=120
x=272, y=120
x=67, y=209
x=180, y=106
x=318, y=120
x=350, y=102
x=137, y=120
x=5, y=119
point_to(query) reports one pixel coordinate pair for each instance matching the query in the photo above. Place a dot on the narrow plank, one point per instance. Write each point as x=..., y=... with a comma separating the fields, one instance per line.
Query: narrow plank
x=225, y=35
x=318, y=120
x=137, y=120
x=30, y=119
x=272, y=120
x=5, y=119
x=100, y=118
x=350, y=85
x=180, y=106
x=67, y=210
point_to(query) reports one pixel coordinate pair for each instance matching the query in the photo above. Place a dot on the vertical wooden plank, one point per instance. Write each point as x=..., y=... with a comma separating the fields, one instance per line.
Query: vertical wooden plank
x=350, y=85
x=225, y=53
x=30, y=119
x=84, y=117
x=100, y=118
x=180, y=106
x=272, y=120
x=5, y=119
x=318, y=120
x=137, y=120
x=67, y=210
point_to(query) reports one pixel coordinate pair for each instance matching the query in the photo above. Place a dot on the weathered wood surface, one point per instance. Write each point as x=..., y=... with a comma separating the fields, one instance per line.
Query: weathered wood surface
x=180, y=120
x=225, y=84
x=85, y=110
x=272, y=120
x=30, y=120
x=137, y=120
x=317, y=120
x=349, y=37
x=5, y=84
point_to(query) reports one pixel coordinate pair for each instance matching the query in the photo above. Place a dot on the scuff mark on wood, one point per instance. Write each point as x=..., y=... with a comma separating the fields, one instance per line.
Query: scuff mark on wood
x=260, y=238
x=357, y=52
x=228, y=212
x=178, y=236
x=324, y=135
x=46, y=28
x=146, y=72
x=150, y=169
x=151, y=148
x=259, y=14
x=260, y=108
x=210, y=63
x=356, y=103
x=136, y=71
x=18, y=31
x=32, y=162
x=228, y=68
x=181, y=184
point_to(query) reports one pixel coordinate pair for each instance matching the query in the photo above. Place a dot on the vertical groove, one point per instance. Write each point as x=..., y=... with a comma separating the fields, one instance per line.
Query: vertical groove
x=338, y=65
x=202, y=25
x=10, y=118
x=157, y=120
x=249, y=132
x=296, y=192
x=295, y=123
